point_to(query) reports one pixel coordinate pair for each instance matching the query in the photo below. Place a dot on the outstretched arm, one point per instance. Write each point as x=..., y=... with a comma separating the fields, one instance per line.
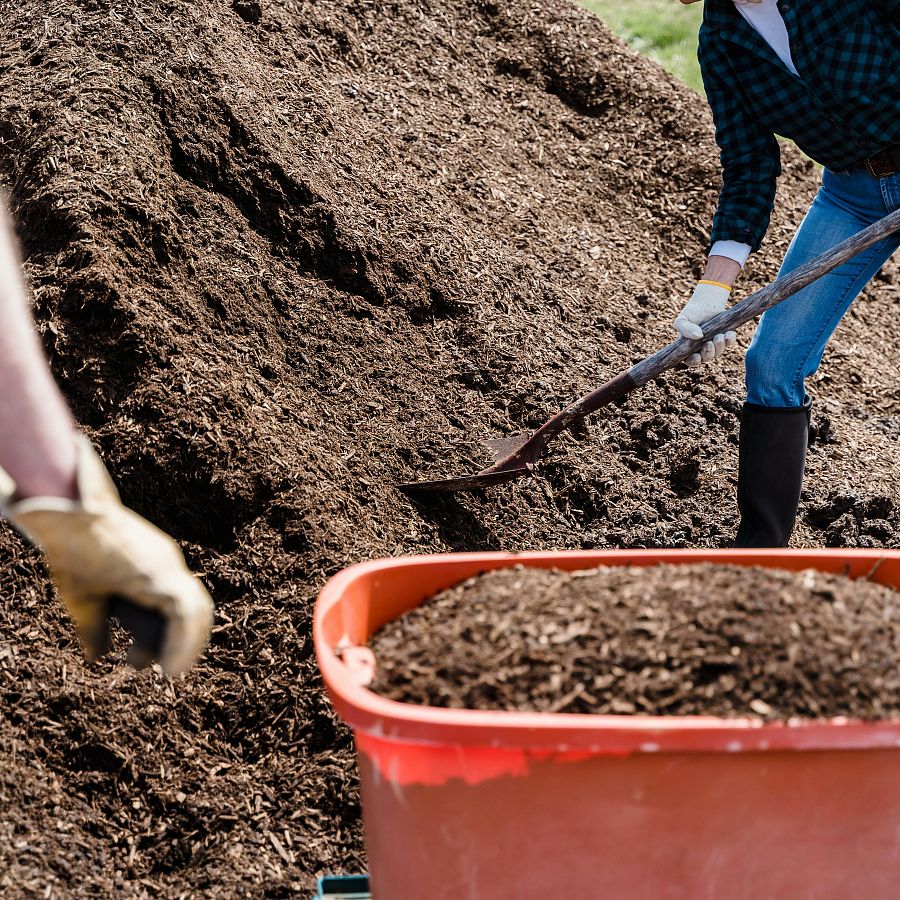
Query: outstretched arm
x=105, y=559
x=37, y=446
x=751, y=163
x=750, y=157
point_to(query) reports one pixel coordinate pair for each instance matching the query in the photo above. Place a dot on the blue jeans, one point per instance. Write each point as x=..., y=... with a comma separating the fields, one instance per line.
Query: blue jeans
x=791, y=337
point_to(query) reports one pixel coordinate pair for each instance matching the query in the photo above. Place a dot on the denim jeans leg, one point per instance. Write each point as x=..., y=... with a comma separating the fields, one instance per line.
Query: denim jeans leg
x=791, y=337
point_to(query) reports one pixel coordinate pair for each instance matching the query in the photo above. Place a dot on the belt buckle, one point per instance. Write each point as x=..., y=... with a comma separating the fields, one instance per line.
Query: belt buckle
x=884, y=164
x=870, y=167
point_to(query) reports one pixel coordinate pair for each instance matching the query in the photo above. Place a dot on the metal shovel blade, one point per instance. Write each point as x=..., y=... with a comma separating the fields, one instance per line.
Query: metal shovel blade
x=514, y=456
x=483, y=479
x=517, y=455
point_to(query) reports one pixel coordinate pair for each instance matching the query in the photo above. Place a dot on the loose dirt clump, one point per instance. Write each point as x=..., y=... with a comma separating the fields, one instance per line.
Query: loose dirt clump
x=664, y=640
x=288, y=253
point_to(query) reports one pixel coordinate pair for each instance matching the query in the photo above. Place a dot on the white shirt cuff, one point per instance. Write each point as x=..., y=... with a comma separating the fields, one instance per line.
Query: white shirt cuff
x=731, y=250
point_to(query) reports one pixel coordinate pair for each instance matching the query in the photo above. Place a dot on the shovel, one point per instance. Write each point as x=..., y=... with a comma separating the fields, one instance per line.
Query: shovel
x=517, y=455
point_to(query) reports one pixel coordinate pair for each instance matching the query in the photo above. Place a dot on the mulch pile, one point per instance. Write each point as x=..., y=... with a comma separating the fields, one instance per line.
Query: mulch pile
x=288, y=253
x=664, y=640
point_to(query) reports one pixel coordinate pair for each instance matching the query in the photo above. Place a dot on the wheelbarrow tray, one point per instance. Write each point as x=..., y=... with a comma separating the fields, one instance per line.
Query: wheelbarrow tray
x=475, y=804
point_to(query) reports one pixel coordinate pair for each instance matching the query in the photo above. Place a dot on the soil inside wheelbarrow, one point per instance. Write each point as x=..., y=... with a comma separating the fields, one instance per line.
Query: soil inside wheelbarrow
x=666, y=640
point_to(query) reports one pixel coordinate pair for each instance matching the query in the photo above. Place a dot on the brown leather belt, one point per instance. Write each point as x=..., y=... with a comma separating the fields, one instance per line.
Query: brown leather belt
x=885, y=163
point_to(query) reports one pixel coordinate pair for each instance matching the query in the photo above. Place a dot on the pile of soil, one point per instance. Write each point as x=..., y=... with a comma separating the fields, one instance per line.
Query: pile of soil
x=288, y=253
x=665, y=640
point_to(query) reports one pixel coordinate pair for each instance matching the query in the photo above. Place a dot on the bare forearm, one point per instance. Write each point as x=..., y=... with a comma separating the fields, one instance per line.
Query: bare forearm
x=36, y=432
x=721, y=269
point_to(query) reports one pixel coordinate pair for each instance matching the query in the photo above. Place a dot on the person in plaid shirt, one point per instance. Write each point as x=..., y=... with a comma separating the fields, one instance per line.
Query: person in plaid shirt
x=825, y=73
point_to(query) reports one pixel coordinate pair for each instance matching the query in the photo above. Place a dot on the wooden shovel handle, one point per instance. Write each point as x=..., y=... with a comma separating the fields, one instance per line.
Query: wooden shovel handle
x=765, y=298
x=676, y=352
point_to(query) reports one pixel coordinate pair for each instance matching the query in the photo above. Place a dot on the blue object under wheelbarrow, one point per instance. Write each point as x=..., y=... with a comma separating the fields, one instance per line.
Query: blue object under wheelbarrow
x=343, y=887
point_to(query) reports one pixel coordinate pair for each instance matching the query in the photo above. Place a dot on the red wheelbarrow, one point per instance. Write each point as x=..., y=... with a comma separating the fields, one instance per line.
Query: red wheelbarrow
x=474, y=805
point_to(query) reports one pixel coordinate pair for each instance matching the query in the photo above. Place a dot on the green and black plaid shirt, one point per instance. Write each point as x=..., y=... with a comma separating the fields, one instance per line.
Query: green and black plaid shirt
x=843, y=109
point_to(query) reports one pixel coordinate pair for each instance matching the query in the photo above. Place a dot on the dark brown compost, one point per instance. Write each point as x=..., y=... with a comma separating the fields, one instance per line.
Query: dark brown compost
x=288, y=253
x=665, y=640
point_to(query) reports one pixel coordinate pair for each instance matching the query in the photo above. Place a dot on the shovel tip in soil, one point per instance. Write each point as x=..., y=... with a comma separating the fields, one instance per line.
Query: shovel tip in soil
x=514, y=456
x=464, y=482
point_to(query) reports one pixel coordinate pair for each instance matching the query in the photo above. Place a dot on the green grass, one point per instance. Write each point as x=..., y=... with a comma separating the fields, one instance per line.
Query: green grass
x=664, y=30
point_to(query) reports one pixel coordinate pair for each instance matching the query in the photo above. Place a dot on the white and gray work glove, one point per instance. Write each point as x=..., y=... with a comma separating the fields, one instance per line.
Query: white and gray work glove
x=108, y=561
x=708, y=300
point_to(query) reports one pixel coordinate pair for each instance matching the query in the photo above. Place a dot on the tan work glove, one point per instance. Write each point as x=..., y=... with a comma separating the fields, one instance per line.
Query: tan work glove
x=709, y=299
x=107, y=560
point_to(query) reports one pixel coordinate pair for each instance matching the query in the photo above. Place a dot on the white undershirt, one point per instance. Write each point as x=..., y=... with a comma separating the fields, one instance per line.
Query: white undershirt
x=765, y=17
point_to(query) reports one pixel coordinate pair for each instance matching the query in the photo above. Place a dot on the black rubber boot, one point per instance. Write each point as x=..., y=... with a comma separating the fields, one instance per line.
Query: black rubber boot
x=771, y=458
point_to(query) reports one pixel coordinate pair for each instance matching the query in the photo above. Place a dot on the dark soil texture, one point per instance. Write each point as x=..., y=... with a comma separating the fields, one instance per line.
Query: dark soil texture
x=662, y=640
x=286, y=254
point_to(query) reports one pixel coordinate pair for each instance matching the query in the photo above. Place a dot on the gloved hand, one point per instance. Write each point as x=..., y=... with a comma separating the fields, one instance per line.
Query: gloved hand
x=100, y=554
x=708, y=300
